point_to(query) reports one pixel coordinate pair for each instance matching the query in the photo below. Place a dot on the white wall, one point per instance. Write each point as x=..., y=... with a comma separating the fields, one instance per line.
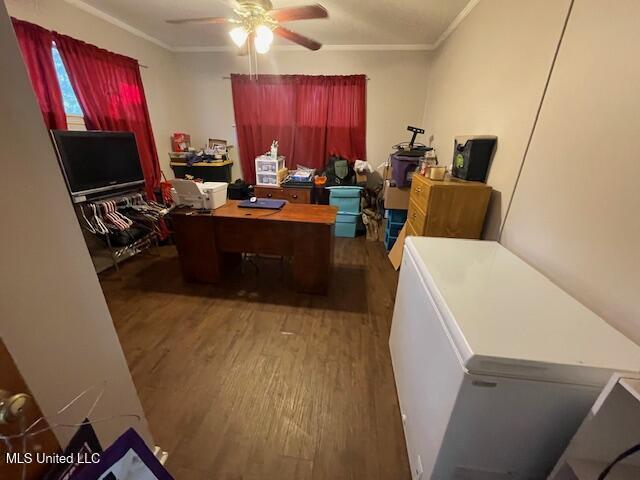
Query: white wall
x=576, y=225
x=488, y=78
x=576, y=209
x=54, y=319
x=159, y=79
x=395, y=91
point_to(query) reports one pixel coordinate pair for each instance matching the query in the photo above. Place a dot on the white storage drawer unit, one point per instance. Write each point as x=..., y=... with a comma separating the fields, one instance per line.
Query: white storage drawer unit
x=267, y=170
x=495, y=366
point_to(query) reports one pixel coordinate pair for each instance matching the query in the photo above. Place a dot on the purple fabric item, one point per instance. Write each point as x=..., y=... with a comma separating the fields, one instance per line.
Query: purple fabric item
x=83, y=444
x=127, y=443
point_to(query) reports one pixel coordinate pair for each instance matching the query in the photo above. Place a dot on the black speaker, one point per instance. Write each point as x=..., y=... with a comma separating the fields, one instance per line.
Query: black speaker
x=472, y=157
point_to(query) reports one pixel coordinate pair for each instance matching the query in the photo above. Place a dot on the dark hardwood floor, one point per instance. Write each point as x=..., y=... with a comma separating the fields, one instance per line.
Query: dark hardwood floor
x=250, y=380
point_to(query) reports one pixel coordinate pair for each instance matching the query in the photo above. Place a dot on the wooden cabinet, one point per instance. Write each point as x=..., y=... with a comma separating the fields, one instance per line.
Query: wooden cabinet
x=292, y=194
x=447, y=208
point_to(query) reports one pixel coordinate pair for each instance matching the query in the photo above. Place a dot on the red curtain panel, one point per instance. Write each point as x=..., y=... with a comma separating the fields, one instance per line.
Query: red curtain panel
x=312, y=117
x=264, y=111
x=347, y=117
x=110, y=92
x=311, y=122
x=35, y=44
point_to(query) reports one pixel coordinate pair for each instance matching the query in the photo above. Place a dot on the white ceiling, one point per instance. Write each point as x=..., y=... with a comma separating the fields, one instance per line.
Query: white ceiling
x=385, y=23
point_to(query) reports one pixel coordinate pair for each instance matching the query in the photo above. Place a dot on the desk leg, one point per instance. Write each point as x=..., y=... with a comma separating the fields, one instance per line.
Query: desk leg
x=195, y=240
x=312, y=258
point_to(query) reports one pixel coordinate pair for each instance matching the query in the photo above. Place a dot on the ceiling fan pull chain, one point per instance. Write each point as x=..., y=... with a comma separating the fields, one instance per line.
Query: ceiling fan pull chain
x=256, y=56
x=250, y=61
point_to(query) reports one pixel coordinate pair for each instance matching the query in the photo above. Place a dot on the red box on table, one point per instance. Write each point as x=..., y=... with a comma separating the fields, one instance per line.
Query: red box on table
x=180, y=142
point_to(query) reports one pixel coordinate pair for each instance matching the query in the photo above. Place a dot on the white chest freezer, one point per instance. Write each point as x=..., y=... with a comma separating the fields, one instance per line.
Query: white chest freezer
x=495, y=366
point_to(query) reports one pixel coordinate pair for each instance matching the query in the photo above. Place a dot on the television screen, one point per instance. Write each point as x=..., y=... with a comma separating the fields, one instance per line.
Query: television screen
x=98, y=161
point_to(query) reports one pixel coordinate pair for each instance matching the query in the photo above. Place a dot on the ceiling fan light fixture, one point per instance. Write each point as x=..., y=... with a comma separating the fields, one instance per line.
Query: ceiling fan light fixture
x=257, y=22
x=263, y=39
x=238, y=35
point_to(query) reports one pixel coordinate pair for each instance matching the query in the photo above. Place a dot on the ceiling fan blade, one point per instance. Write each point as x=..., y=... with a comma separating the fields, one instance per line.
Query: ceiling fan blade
x=307, y=12
x=208, y=20
x=297, y=38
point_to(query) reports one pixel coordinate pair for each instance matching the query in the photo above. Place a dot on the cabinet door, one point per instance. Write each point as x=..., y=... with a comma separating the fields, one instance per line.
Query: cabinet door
x=12, y=381
x=457, y=211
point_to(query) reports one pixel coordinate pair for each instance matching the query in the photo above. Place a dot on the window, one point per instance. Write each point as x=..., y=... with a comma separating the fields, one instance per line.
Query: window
x=75, y=117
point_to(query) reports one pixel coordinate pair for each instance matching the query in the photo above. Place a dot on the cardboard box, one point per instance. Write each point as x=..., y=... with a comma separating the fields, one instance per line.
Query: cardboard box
x=386, y=173
x=395, y=255
x=396, y=198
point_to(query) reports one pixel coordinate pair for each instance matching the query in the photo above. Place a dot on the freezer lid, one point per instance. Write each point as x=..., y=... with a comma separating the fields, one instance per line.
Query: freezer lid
x=505, y=318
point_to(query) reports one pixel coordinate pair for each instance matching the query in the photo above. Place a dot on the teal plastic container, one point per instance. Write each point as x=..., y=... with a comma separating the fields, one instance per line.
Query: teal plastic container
x=395, y=222
x=346, y=224
x=347, y=199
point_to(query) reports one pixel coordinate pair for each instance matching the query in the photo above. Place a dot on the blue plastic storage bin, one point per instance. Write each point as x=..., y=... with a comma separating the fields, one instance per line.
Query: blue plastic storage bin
x=395, y=222
x=346, y=224
x=396, y=216
x=347, y=199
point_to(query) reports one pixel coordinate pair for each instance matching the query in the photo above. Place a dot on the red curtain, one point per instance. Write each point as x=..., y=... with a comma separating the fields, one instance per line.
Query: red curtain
x=35, y=44
x=110, y=92
x=312, y=117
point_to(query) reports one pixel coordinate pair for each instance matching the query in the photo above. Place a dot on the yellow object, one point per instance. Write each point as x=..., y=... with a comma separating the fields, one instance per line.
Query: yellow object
x=282, y=174
x=437, y=173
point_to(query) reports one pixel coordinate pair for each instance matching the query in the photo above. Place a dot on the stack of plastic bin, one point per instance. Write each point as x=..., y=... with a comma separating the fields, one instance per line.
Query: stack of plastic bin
x=347, y=199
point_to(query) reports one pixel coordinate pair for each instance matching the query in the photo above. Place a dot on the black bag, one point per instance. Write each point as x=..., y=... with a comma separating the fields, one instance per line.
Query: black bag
x=125, y=237
x=239, y=190
x=339, y=172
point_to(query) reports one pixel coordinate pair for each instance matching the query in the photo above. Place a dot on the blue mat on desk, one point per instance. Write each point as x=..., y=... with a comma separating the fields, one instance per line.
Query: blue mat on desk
x=264, y=203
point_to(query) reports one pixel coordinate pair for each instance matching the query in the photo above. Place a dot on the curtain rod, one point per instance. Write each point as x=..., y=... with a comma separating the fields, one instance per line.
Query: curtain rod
x=142, y=66
x=229, y=78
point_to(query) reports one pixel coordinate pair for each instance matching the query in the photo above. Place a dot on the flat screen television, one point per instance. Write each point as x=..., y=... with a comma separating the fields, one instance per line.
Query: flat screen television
x=97, y=161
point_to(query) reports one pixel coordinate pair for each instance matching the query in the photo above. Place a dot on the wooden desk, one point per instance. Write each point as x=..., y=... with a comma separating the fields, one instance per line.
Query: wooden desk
x=209, y=243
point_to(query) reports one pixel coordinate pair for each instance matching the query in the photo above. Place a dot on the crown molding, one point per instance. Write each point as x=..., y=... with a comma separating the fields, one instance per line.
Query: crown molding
x=456, y=21
x=297, y=48
x=420, y=47
x=117, y=22
x=412, y=47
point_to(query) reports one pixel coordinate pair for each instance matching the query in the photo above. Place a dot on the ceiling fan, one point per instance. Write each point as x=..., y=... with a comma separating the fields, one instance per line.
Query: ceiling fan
x=257, y=21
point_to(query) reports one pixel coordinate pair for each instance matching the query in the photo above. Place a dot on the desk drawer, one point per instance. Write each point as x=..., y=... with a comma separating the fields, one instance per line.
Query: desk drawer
x=416, y=218
x=420, y=192
x=270, y=192
x=293, y=195
x=298, y=195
